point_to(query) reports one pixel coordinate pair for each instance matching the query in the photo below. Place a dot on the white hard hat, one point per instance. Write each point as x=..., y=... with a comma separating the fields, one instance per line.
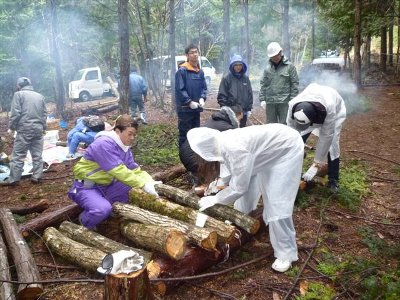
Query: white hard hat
x=273, y=49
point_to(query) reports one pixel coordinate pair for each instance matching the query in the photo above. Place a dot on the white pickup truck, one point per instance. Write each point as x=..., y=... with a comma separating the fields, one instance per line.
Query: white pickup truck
x=87, y=84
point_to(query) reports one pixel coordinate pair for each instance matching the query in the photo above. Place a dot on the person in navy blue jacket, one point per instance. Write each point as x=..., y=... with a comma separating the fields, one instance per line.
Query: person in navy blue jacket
x=190, y=92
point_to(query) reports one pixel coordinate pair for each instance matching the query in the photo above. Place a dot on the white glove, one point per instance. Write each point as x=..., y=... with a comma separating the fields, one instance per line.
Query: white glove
x=193, y=105
x=150, y=189
x=214, y=187
x=207, y=202
x=248, y=114
x=263, y=105
x=312, y=171
x=201, y=102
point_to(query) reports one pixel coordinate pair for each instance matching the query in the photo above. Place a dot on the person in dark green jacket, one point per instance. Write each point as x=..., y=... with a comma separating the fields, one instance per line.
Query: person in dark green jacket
x=279, y=84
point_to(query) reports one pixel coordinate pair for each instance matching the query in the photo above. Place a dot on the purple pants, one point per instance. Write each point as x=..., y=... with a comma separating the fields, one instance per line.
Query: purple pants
x=97, y=200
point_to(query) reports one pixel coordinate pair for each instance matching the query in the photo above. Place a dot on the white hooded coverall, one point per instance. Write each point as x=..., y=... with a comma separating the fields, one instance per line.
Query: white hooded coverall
x=258, y=160
x=329, y=132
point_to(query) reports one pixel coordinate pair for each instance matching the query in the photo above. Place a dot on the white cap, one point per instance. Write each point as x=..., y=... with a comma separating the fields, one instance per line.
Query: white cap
x=205, y=142
x=302, y=121
x=273, y=49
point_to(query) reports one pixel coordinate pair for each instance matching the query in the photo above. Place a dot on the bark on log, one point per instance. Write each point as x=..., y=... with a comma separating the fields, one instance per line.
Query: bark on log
x=86, y=257
x=50, y=219
x=169, y=174
x=182, y=213
x=6, y=289
x=90, y=238
x=203, y=237
x=163, y=239
x=218, y=211
x=37, y=207
x=133, y=286
x=195, y=261
x=25, y=265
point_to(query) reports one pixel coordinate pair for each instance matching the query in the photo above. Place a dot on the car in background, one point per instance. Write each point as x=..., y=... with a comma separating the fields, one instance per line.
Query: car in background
x=322, y=70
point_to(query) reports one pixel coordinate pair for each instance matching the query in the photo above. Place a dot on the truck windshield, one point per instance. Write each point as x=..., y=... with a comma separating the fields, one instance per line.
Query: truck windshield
x=78, y=75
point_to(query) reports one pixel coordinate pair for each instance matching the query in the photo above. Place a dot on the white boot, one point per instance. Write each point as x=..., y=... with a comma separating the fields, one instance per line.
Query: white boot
x=281, y=265
x=143, y=117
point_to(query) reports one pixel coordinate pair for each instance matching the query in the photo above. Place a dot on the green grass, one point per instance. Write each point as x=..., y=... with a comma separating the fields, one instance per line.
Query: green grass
x=317, y=291
x=156, y=145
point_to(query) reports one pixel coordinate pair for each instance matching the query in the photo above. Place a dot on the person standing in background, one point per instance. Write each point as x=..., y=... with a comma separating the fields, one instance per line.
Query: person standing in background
x=190, y=92
x=235, y=88
x=279, y=84
x=137, y=94
x=28, y=118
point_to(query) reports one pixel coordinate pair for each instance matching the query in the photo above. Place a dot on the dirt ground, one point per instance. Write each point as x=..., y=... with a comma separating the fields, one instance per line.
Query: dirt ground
x=372, y=137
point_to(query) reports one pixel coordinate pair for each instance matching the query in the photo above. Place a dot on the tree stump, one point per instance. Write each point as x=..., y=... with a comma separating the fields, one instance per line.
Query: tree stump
x=133, y=286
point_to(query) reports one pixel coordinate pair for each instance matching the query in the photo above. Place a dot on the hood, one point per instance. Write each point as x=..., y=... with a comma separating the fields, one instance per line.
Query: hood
x=206, y=143
x=226, y=110
x=189, y=67
x=113, y=135
x=237, y=58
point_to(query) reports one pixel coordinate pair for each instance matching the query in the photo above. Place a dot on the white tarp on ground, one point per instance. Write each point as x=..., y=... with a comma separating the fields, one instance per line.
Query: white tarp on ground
x=52, y=154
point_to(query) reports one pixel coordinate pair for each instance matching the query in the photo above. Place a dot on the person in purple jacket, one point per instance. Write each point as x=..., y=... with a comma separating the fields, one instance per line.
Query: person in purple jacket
x=106, y=173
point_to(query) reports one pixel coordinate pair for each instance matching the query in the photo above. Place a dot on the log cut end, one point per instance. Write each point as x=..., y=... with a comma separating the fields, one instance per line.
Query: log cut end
x=255, y=227
x=135, y=285
x=30, y=292
x=176, y=244
x=210, y=242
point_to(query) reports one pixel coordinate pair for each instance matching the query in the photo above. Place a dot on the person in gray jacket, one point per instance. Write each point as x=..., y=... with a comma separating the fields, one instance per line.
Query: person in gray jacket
x=28, y=118
x=279, y=84
x=235, y=88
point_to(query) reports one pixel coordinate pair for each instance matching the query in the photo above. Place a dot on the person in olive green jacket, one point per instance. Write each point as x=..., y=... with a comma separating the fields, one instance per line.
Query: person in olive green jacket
x=279, y=84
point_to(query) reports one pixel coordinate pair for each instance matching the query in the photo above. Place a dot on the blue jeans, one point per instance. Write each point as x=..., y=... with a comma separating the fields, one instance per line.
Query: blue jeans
x=136, y=102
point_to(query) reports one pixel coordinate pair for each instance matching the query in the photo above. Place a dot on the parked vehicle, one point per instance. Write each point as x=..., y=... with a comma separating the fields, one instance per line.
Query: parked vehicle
x=322, y=70
x=87, y=84
x=163, y=63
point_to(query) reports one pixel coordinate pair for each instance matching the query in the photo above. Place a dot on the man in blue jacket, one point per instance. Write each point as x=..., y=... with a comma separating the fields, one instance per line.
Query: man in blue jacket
x=190, y=92
x=137, y=94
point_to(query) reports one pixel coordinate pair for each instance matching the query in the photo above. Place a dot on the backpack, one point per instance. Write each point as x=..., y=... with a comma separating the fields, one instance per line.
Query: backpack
x=94, y=123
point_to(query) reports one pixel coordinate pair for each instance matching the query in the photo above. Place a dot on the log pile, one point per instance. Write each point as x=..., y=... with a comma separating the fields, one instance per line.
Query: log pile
x=164, y=231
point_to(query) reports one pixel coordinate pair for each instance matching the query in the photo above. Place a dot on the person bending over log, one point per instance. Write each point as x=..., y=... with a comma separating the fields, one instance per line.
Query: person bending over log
x=106, y=173
x=261, y=160
x=224, y=119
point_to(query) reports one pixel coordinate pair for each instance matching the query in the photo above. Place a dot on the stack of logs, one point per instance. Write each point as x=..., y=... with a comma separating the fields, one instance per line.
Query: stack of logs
x=165, y=226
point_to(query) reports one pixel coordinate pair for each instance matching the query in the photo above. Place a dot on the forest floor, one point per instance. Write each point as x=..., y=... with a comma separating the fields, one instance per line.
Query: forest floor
x=370, y=139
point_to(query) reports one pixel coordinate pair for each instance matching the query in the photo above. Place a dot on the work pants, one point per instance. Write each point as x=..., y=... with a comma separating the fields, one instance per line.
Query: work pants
x=277, y=112
x=187, y=121
x=136, y=102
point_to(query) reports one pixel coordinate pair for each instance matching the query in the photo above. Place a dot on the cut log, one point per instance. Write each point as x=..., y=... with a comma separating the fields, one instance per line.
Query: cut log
x=25, y=265
x=133, y=286
x=6, y=289
x=195, y=261
x=162, y=239
x=182, y=213
x=90, y=238
x=106, y=109
x=34, y=208
x=170, y=174
x=218, y=211
x=203, y=237
x=52, y=218
x=86, y=257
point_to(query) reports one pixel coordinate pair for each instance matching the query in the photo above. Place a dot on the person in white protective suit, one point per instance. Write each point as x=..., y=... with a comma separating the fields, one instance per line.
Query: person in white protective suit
x=258, y=160
x=321, y=110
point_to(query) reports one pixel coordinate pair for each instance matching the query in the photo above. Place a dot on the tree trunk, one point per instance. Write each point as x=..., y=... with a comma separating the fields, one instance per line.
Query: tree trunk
x=25, y=265
x=357, y=44
x=52, y=218
x=86, y=257
x=133, y=286
x=6, y=289
x=203, y=237
x=195, y=261
x=285, y=28
x=123, y=30
x=90, y=238
x=34, y=208
x=219, y=211
x=383, y=56
x=227, y=35
x=60, y=97
x=175, y=211
x=162, y=239
x=245, y=7
x=172, y=50
x=169, y=174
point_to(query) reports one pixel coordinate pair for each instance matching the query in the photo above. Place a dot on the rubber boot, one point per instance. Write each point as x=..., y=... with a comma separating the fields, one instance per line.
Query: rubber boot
x=143, y=117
